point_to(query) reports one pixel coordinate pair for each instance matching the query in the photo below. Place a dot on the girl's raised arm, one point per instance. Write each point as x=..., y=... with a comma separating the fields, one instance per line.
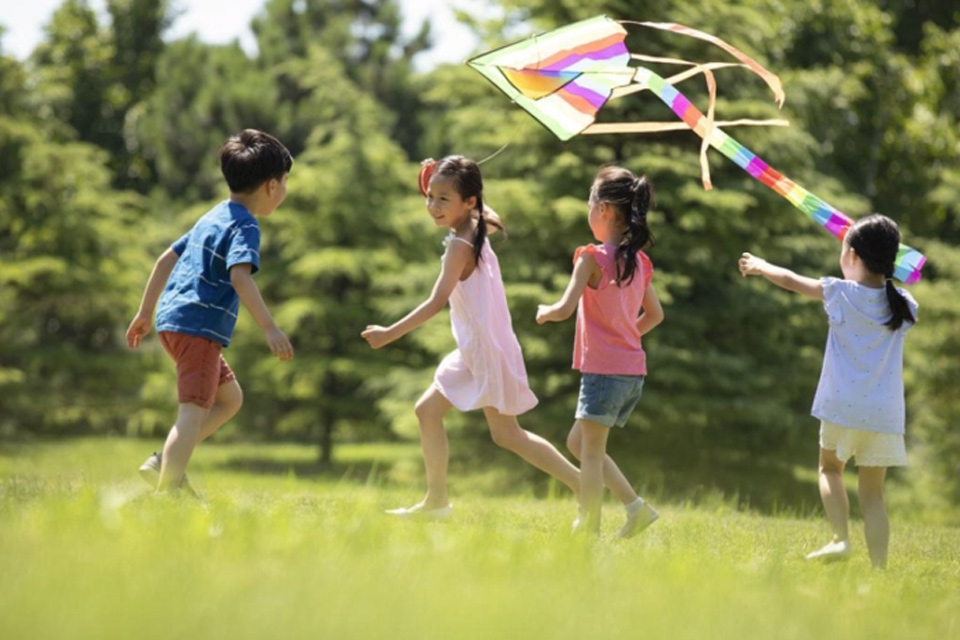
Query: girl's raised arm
x=584, y=272
x=455, y=260
x=751, y=265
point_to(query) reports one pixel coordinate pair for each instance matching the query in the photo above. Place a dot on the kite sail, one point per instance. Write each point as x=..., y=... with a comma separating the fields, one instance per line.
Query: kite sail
x=564, y=77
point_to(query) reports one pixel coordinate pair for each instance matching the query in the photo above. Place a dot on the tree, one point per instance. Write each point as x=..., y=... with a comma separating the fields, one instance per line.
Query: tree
x=89, y=77
x=366, y=34
x=204, y=94
x=68, y=243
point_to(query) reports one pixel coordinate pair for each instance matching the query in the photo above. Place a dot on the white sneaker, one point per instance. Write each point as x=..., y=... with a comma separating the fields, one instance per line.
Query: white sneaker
x=150, y=472
x=638, y=519
x=417, y=512
x=836, y=550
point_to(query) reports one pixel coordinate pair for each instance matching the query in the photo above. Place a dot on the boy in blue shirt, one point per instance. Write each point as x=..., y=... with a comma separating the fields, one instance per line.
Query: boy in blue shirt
x=200, y=282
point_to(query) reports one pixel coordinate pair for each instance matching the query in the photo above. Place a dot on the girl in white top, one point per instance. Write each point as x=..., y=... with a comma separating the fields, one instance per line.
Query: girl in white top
x=486, y=371
x=859, y=400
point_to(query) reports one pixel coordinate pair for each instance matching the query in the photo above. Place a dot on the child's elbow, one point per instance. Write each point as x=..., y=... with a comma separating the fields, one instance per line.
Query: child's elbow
x=654, y=316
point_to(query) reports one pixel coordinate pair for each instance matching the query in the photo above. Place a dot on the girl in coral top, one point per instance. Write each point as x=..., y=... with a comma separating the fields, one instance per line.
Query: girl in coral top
x=616, y=304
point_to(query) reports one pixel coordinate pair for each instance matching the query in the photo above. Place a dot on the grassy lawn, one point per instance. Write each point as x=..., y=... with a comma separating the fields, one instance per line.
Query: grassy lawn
x=279, y=550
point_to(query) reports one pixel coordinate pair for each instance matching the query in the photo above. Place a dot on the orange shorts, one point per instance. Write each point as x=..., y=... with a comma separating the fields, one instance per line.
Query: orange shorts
x=201, y=368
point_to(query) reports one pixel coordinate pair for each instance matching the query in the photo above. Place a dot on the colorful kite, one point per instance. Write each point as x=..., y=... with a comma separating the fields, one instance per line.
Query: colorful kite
x=564, y=77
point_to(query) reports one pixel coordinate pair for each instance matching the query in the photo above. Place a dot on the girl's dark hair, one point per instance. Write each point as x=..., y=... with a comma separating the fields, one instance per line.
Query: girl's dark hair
x=469, y=184
x=632, y=197
x=250, y=158
x=876, y=239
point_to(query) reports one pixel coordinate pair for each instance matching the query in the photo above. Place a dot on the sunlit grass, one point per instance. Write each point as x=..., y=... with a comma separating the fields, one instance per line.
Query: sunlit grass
x=87, y=552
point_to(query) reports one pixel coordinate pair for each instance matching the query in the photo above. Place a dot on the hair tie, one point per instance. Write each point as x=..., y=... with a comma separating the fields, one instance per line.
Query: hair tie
x=888, y=279
x=426, y=170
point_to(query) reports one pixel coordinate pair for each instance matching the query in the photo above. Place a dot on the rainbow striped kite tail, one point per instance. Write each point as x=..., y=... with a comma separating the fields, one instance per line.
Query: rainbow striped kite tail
x=908, y=265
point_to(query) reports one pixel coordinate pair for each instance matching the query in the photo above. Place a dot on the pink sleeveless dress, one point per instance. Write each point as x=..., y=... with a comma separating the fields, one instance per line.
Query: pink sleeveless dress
x=487, y=368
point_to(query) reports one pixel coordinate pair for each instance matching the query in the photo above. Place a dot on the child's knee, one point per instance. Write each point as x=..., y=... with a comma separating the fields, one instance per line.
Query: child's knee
x=421, y=410
x=504, y=438
x=230, y=396
x=870, y=496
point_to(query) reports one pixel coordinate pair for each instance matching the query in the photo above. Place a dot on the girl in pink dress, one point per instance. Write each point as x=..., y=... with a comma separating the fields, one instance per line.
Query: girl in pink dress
x=610, y=286
x=486, y=370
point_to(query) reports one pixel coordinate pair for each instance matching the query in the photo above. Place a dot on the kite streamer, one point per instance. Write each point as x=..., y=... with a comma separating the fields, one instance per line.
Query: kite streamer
x=564, y=77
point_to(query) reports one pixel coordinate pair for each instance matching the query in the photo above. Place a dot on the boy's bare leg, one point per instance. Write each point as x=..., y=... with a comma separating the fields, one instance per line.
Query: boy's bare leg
x=430, y=409
x=226, y=404
x=180, y=443
x=875, y=522
x=507, y=433
x=834, y=494
x=612, y=476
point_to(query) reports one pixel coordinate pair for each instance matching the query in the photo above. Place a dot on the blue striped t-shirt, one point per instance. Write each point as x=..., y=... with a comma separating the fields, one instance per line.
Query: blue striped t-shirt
x=199, y=298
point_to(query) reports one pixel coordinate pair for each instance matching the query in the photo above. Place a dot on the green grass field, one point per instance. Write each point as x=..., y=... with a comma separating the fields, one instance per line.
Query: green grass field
x=87, y=552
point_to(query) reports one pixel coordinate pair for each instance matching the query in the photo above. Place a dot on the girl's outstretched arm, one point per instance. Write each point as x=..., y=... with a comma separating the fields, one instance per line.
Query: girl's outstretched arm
x=751, y=265
x=652, y=311
x=586, y=271
x=456, y=259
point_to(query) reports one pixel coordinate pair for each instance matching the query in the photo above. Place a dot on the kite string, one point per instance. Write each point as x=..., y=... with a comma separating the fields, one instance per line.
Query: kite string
x=495, y=153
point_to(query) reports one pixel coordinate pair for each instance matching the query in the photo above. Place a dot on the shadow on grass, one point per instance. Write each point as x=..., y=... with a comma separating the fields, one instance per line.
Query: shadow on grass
x=771, y=487
x=738, y=481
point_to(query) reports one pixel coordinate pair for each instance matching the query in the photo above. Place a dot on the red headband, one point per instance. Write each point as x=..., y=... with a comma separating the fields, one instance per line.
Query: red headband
x=426, y=170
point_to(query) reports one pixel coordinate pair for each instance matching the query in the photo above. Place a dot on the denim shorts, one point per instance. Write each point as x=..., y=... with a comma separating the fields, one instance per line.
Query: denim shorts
x=608, y=400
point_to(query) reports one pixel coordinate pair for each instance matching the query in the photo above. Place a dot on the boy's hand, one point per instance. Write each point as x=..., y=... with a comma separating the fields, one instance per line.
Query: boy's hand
x=279, y=343
x=751, y=265
x=376, y=336
x=139, y=327
x=544, y=313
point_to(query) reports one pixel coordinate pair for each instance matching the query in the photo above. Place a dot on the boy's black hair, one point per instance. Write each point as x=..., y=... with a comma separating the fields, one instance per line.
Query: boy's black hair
x=632, y=197
x=250, y=158
x=876, y=239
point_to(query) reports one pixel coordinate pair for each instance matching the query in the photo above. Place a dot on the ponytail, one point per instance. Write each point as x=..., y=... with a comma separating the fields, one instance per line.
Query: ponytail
x=876, y=240
x=481, y=231
x=899, y=307
x=632, y=198
x=637, y=234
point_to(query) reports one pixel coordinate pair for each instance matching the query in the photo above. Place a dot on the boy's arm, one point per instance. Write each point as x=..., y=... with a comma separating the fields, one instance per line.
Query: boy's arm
x=143, y=321
x=652, y=311
x=584, y=272
x=246, y=288
x=455, y=260
x=751, y=265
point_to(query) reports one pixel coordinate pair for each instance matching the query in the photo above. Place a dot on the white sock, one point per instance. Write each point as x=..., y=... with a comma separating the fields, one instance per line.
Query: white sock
x=634, y=506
